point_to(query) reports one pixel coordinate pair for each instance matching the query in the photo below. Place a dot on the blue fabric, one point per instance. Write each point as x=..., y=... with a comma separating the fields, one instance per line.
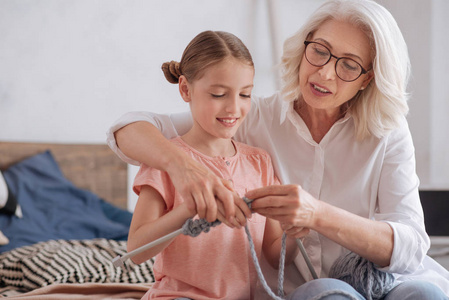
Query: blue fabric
x=416, y=290
x=53, y=208
x=325, y=289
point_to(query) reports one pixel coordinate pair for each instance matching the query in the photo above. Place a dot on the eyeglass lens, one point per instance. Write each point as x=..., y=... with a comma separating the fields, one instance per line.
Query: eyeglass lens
x=318, y=55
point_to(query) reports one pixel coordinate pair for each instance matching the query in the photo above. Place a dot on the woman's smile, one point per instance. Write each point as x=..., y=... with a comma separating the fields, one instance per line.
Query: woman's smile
x=319, y=90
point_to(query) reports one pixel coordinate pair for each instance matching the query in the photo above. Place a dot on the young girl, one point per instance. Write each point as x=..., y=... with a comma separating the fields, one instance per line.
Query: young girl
x=215, y=77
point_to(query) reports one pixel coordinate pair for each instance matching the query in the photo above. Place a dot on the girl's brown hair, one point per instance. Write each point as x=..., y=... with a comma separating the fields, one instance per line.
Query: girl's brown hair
x=206, y=49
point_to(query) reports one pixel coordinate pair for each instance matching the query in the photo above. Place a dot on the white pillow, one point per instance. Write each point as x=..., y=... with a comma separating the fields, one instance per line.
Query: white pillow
x=8, y=203
x=3, y=239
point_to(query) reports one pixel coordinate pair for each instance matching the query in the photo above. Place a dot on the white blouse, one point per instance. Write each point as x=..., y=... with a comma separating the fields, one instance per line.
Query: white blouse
x=375, y=178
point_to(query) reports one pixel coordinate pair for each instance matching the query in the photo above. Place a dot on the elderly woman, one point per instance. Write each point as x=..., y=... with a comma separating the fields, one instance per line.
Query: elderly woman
x=341, y=146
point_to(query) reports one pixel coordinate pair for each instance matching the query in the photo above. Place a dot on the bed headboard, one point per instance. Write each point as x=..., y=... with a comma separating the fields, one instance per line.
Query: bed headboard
x=92, y=167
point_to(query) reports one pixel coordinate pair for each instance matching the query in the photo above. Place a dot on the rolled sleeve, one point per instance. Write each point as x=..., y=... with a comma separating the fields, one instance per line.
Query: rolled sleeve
x=400, y=205
x=410, y=248
x=170, y=126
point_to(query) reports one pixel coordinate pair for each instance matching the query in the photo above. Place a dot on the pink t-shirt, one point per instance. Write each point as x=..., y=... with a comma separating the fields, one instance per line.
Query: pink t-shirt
x=217, y=264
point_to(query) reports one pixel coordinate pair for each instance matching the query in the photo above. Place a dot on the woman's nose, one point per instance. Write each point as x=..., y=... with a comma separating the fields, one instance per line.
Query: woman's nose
x=327, y=71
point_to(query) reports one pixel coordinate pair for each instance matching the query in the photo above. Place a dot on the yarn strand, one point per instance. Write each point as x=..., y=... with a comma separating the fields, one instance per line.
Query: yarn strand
x=259, y=270
x=282, y=266
x=194, y=227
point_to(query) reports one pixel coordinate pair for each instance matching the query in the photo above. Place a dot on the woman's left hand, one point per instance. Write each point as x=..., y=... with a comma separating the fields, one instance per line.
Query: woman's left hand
x=291, y=205
x=294, y=231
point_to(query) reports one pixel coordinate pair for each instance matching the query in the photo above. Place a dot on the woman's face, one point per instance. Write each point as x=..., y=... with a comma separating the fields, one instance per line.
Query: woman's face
x=321, y=88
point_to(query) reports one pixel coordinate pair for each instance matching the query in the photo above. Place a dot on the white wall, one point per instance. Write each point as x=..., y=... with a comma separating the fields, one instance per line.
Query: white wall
x=69, y=68
x=439, y=80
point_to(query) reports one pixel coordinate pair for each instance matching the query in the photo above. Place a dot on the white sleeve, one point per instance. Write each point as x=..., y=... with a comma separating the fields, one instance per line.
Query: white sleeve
x=400, y=205
x=170, y=125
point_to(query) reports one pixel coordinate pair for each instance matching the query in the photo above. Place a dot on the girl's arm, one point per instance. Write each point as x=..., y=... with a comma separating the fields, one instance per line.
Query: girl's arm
x=272, y=243
x=151, y=221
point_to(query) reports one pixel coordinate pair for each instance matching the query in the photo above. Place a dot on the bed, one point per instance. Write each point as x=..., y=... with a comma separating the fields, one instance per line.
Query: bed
x=66, y=223
x=74, y=222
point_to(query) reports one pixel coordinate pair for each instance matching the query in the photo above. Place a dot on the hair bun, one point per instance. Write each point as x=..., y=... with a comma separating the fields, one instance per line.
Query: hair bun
x=171, y=71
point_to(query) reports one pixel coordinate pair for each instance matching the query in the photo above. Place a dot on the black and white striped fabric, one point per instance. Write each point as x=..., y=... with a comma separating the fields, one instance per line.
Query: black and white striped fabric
x=70, y=261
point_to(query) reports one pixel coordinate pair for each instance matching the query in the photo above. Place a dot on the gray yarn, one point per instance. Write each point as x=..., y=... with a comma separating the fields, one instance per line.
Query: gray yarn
x=193, y=228
x=259, y=270
x=282, y=265
x=257, y=265
x=362, y=275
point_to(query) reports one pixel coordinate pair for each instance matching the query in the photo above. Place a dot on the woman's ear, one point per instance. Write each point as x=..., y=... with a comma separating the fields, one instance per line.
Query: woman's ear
x=367, y=80
x=184, y=88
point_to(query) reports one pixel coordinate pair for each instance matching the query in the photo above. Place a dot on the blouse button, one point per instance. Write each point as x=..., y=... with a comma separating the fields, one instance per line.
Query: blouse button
x=228, y=163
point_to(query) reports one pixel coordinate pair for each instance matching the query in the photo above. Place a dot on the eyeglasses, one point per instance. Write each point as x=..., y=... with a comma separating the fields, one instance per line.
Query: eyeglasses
x=346, y=68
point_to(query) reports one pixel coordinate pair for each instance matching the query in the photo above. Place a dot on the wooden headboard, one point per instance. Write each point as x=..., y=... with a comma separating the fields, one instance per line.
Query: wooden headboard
x=92, y=167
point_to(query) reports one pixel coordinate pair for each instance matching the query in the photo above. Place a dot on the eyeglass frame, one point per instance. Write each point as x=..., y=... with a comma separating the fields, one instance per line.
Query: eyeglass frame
x=364, y=71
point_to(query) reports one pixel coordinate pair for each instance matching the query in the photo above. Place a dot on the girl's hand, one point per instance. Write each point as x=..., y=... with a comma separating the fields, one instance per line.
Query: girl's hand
x=242, y=213
x=292, y=206
x=239, y=221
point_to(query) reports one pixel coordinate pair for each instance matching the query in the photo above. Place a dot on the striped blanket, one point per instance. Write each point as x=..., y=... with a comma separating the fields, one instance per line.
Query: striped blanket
x=69, y=261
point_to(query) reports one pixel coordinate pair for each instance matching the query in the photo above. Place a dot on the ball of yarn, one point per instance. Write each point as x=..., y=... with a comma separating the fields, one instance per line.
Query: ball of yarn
x=362, y=275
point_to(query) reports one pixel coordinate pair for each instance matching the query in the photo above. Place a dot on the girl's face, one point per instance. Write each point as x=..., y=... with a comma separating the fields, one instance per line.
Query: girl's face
x=321, y=88
x=221, y=98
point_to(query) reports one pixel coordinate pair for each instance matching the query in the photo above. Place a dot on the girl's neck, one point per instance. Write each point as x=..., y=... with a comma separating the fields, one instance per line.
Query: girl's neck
x=209, y=145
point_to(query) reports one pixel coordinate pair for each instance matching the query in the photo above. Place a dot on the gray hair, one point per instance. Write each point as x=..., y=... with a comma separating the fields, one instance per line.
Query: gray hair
x=379, y=108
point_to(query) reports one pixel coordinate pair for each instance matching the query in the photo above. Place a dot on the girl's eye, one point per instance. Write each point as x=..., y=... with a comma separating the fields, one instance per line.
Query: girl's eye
x=245, y=96
x=217, y=95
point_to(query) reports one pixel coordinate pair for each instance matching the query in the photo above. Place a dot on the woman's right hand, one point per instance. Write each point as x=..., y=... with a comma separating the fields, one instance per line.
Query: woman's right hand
x=201, y=189
x=198, y=186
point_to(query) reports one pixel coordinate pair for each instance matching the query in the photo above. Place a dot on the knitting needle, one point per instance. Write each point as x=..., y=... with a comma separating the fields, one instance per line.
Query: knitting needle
x=191, y=227
x=306, y=258
x=119, y=260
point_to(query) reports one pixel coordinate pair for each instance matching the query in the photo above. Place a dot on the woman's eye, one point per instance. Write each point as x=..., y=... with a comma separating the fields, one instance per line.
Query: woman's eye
x=321, y=51
x=350, y=65
x=245, y=95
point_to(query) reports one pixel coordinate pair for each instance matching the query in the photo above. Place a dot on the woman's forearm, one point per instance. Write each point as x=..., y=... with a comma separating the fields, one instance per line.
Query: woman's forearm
x=292, y=206
x=370, y=239
x=143, y=142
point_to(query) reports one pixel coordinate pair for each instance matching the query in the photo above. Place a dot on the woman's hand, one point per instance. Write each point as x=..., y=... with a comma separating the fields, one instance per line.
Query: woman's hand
x=291, y=205
x=297, y=211
x=198, y=186
x=202, y=190
x=295, y=231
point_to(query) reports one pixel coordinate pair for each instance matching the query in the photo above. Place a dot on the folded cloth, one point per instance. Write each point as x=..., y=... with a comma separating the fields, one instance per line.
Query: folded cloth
x=3, y=239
